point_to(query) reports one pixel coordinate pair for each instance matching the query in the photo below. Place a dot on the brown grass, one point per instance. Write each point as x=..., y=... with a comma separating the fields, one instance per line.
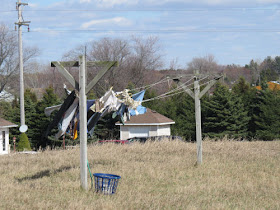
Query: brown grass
x=155, y=175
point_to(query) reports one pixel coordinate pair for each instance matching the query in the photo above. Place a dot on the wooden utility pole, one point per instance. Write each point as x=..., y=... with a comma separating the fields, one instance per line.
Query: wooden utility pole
x=83, y=90
x=198, y=120
x=83, y=122
x=21, y=82
x=197, y=96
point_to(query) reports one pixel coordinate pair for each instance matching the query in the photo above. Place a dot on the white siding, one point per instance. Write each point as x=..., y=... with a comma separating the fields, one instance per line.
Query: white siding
x=124, y=132
x=164, y=130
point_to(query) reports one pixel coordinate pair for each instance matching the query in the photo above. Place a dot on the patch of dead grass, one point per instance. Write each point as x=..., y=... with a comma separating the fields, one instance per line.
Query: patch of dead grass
x=155, y=175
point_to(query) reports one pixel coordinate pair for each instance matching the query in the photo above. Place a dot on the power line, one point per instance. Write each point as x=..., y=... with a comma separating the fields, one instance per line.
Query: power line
x=151, y=10
x=160, y=31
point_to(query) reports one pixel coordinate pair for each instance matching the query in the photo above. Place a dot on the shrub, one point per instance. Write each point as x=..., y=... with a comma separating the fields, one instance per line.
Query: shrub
x=23, y=143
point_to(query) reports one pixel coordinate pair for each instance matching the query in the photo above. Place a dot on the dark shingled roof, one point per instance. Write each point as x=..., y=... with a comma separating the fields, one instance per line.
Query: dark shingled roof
x=5, y=123
x=150, y=117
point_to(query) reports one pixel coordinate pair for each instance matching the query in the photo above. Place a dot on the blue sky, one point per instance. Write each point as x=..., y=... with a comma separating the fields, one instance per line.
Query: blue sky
x=234, y=31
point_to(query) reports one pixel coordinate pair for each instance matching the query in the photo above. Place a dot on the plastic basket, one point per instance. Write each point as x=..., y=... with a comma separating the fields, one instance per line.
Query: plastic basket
x=106, y=183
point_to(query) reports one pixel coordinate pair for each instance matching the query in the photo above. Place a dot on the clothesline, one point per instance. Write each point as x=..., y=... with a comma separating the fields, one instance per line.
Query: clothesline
x=173, y=91
x=151, y=85
x=166, y=79
x=169, y=93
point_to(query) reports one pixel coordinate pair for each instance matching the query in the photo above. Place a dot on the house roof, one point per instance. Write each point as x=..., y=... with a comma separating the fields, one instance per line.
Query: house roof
x=6, y=124
x=272, y=85
x=149, y=118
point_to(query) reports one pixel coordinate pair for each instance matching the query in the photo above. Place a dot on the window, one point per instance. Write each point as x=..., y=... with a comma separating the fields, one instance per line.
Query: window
x=4, y=141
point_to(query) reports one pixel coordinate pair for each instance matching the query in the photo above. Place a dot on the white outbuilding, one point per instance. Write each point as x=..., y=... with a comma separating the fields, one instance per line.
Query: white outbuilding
x=145, y=125
x=4, y=135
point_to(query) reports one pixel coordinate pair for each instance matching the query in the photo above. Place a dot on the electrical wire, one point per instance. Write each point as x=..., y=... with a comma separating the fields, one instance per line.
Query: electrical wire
x=151, y=10
x=160, y=31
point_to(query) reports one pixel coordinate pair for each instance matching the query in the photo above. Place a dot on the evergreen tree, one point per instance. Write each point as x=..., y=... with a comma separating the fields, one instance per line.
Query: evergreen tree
x=268, y=120
x=225, y=112
x=41, y=121
x=23, y=143
x=217, y=112
x=238, y=118
x=179, y=108
x=30, y=101
x=106, y=128
x=184, y=117
x=255, y=99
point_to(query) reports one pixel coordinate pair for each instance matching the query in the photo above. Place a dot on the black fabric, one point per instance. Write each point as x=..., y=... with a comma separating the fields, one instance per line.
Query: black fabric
x=94, y=119
x=90, y=113
x=92, y=122
x=66, y=104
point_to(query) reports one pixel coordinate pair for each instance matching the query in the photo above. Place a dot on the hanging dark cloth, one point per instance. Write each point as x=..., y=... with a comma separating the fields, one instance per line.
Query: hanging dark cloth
x=66, y=104
x=94, y=119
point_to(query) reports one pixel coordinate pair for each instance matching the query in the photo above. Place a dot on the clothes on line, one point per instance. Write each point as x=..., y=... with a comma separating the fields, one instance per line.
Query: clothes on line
x=66, y=104
x=122, y=104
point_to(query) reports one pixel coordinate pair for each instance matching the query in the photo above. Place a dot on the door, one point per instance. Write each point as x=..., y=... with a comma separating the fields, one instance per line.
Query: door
x=139, y=131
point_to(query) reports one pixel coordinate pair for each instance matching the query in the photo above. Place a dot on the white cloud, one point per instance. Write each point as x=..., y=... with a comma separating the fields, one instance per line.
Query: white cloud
x=214, y=2
x=121, y=21
x=111, y=3
x=32, y=5
x=85, y=1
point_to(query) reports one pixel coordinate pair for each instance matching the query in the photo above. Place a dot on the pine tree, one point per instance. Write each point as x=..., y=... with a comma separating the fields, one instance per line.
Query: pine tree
x=255, y=99
x=23, y=143
x=30, y=101
x=217, y=112
x=185, y=117
x=41, y=121
x=268, y=120
x=238, y=118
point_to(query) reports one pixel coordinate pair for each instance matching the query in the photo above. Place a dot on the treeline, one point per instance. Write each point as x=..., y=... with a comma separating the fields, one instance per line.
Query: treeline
x=242, y=112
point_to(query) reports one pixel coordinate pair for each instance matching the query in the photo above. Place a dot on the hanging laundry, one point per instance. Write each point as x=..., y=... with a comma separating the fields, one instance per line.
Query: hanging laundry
x=68, y=116
x=122, y=103
x=140, y=109
x=110, y=101
x=94, y=119
x=128, y=100
x=66, y=104
x=48, y=110
x=68, y=92
x=75, y=135
x=121, y=112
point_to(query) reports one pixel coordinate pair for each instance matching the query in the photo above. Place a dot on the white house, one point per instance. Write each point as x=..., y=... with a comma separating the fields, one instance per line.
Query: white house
x=145, y=125
x=4, y=135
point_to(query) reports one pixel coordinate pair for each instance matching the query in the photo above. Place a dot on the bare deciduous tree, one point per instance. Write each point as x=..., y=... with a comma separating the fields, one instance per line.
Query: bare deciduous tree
x=134, y=57
x=145, y=56
x=9, y=64
x=204, y=65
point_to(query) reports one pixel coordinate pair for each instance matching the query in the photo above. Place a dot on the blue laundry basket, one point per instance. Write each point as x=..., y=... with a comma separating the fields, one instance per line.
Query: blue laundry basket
x=106, y=183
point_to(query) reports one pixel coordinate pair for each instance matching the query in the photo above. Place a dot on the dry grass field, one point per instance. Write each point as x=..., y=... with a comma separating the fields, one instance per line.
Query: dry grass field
x=155, y=175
